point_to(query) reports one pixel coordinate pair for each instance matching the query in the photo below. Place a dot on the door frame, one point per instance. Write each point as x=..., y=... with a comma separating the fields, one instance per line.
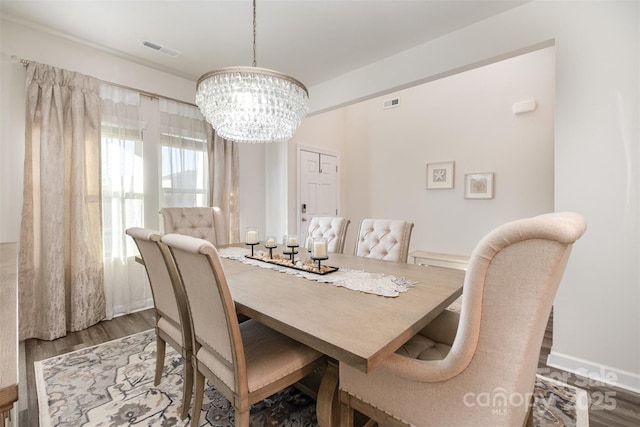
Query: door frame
x=303, y=147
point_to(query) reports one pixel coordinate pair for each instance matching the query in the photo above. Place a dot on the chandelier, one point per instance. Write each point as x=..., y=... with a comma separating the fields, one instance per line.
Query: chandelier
x=252, y=104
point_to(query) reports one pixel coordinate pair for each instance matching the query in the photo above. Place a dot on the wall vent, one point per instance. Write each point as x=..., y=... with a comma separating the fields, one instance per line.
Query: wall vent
x=391, y=103
x=159, y=48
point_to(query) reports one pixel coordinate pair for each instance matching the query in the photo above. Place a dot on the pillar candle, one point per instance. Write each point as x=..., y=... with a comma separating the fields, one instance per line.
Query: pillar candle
x=271, y=242
x=293, y=241
x=320, y=249
x=252, y=236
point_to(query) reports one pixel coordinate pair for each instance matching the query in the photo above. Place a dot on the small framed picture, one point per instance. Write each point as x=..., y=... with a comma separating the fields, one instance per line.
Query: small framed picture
x=478, y=186
x=440, y=175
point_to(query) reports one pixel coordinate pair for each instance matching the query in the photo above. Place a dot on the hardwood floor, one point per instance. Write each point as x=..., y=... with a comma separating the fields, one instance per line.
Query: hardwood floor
x=626, y=412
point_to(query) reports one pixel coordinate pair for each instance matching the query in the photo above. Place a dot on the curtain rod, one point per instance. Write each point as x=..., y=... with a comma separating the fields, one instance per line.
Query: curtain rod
x=151, y=95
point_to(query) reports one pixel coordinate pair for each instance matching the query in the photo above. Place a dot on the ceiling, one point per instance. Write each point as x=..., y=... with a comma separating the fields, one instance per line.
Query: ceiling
x=311, y=40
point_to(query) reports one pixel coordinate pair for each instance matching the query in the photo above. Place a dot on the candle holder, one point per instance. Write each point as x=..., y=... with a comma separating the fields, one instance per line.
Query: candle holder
x=290, y=242
x=251, y=237
x=319, y=260
x=270, y=244
x=252, y=245
x=292, y=253
x=319, y=252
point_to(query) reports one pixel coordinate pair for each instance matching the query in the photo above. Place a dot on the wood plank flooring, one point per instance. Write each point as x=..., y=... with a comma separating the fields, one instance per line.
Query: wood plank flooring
x=625, y=414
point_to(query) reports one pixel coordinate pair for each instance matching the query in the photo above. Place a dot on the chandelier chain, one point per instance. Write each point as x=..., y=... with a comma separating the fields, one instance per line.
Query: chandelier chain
x=255, y=63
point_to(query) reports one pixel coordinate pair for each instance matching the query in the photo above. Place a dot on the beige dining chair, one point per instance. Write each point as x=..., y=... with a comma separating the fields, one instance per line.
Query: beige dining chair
x=384, y=239
x=206, y=223
x=247, y=361
x=334, y=229
x=477, y=367
x=172, y=319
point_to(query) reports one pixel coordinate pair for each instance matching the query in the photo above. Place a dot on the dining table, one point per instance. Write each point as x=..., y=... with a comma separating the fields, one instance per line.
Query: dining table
x=350, y=326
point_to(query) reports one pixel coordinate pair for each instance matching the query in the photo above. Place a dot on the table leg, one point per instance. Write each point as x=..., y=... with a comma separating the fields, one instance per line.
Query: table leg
x=328, y=404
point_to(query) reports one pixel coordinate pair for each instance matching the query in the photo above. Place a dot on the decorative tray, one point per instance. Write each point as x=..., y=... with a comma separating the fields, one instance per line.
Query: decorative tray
x=307, y=265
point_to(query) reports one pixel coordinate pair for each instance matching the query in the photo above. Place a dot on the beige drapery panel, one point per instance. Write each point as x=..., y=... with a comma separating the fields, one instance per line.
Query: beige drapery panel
x=224, y=178
x=60, y=275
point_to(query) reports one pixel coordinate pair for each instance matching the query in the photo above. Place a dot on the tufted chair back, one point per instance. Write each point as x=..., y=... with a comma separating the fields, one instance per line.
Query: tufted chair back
x=476, y=367
x=334, y=229
x=201, y=222
x=384, y=239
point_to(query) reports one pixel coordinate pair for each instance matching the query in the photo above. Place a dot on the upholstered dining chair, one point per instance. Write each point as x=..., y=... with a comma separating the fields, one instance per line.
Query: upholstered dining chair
x=246, y=362
x=334, y=229
x=172, y=319
x=476, y=367
x=206, y=223
x=384, y=239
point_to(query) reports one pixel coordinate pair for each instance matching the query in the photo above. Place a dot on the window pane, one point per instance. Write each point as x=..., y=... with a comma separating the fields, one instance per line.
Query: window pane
x=184, y=172
x=122, y=195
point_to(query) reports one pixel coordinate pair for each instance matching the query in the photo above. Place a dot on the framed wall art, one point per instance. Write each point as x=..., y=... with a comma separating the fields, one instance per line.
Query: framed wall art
x=478, y=186
x=440, y=175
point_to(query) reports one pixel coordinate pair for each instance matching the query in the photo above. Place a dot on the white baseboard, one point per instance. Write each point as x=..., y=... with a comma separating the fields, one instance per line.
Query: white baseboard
x=594, y=371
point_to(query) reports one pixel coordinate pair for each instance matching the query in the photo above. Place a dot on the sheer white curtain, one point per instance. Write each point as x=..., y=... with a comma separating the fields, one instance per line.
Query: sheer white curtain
x=184, y=170
x=125, y=282
x=198, y=167
x=60, y=267
x=224, y=180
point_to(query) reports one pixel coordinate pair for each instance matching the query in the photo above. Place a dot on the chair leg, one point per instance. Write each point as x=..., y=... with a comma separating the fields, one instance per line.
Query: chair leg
x=197, y=398
x=242, y=418
x=160, y=351
x=528, y=421
x=187, y=388
x=346, y=415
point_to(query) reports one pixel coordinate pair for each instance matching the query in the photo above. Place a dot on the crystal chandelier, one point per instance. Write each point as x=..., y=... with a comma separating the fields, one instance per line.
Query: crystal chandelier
x=252, y=104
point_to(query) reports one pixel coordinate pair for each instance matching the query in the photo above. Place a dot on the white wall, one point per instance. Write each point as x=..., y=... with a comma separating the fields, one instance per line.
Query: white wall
x=597, y=139
x=385, y=151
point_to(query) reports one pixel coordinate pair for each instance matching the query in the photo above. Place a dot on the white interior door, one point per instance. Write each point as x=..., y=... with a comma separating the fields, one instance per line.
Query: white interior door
x=318, y=188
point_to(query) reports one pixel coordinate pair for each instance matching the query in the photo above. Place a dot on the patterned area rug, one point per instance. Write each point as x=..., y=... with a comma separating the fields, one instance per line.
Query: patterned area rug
x=111, y=384
x=559, y=404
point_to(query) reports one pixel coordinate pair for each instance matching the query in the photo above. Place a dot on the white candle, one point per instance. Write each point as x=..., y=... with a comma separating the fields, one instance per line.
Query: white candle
x=320, y=249
x=252, y=236
x=293, y=241
x=271, y=242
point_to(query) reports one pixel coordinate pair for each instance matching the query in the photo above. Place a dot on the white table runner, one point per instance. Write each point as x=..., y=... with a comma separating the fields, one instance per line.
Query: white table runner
x=358, y=280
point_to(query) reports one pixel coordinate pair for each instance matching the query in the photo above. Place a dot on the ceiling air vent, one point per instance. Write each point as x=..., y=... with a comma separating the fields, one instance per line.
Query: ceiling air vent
x=159, y=48
x=391, y=103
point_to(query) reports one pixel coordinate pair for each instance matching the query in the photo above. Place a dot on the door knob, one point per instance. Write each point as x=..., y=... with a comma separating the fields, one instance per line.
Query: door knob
x=303, y=219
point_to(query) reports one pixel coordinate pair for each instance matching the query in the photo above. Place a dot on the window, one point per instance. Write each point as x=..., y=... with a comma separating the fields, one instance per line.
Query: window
x=184, y=164
x=154, y=154
x=122, y=189
x=184, y=172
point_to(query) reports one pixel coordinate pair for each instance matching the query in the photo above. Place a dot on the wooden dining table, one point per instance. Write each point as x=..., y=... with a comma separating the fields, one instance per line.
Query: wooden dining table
x=349, y=326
